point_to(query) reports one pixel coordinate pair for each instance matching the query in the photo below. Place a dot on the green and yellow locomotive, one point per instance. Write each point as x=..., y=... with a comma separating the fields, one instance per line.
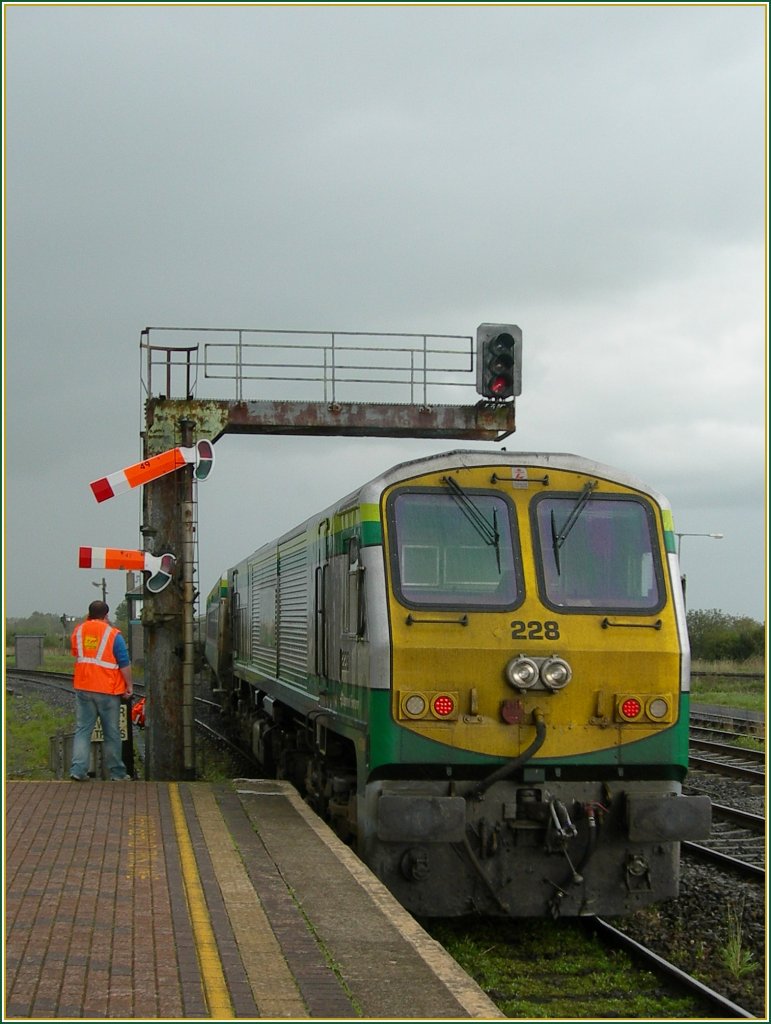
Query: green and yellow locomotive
x=476, y=669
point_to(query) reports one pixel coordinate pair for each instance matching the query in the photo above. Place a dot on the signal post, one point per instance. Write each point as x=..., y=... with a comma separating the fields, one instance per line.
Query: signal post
x=168, y=505
x=164, y=626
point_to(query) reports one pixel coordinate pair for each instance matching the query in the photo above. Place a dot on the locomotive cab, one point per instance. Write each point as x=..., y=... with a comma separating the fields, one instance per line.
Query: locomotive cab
x=539, y=670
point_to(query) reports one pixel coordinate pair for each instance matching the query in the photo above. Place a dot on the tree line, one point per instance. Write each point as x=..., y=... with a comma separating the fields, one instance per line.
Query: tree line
x=57, y=629
x=714, y=635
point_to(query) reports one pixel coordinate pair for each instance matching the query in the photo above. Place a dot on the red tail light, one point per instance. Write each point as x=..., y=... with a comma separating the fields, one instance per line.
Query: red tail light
x=631, y=708
x=443, y=705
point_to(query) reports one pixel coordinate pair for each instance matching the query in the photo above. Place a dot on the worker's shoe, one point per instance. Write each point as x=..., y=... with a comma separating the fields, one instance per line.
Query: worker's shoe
x=79, y=778
x=122, y=778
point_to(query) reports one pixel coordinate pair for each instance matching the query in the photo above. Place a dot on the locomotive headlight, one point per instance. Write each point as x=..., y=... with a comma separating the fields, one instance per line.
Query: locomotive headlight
x=556, y=673
x=522, y=672
x=657, y=709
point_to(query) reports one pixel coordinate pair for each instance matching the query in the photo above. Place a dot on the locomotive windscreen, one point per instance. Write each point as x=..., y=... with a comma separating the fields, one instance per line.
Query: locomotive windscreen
x=604, y=557
x=453, y=552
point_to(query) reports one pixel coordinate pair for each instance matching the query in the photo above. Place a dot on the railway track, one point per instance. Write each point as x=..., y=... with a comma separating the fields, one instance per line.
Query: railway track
x=725, y=759
x=223, y=743
x=737, y=842
x=61, y=680
x=713, y=1001
x=703, y=731
x=731, y=721
x=55, y=680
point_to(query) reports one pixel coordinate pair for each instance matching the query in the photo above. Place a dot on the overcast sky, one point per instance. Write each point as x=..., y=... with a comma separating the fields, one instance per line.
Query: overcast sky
x=594, y=174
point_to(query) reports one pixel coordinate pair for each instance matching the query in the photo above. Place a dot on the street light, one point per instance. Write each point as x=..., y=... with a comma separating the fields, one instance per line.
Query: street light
x=103, y=585
x=715, y=536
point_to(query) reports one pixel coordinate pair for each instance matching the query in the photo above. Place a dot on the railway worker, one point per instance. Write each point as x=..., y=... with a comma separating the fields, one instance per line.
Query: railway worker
x=102, y=678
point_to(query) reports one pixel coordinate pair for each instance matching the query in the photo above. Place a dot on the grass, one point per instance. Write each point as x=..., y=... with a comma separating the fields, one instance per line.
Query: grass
x=53, y=660
x=730, y=684
x=212, y=765
x=535, y=969
x=729, y=691
x=29, y=726
x=752, y=666
x=60, y=661
x=737, y=959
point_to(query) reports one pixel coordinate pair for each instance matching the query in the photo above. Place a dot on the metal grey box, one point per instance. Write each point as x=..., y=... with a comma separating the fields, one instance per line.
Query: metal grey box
x=29, y=651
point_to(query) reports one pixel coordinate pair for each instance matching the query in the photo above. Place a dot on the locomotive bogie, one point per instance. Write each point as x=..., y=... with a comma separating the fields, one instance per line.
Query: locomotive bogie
x=476, y=669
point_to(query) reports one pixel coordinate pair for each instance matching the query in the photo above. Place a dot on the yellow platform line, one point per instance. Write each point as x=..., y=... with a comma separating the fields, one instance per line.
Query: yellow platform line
x=273, y=986
x=213, y=977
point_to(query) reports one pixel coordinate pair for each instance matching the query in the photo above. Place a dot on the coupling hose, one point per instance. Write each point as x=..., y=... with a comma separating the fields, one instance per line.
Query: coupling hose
x=511, y=766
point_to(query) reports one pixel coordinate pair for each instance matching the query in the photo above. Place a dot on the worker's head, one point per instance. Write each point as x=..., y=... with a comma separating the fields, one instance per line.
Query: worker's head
x=98, y=610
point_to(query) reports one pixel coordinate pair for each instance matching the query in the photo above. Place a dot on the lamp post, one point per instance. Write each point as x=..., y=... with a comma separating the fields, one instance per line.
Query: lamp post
x=103, y=585
x=715, y=536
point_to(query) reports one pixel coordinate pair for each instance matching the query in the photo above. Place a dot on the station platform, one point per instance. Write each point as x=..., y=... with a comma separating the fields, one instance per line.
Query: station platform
x=166, y=900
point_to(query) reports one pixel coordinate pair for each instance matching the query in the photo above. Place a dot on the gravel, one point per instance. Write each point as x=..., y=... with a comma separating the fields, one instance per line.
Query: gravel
x=716, y=929
x=62, y=700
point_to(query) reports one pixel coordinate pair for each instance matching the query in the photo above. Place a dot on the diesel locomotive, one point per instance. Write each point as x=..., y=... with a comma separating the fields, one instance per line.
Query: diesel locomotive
x=476, y=669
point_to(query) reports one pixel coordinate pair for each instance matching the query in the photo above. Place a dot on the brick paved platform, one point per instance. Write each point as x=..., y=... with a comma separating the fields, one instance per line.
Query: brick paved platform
x=181, y=900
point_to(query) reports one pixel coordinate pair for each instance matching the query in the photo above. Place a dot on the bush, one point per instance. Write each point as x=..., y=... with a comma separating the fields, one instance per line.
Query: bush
x=715, y=636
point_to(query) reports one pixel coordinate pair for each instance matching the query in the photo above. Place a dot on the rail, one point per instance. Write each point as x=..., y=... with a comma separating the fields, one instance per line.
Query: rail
x=737, y=842
x=650, y=959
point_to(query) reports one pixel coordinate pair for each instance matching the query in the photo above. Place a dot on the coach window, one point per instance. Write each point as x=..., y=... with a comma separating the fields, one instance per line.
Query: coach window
x=598, y=553
x=454, y=550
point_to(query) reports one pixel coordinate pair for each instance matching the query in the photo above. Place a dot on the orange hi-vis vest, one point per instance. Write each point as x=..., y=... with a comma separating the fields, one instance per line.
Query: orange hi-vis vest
x=95, y=667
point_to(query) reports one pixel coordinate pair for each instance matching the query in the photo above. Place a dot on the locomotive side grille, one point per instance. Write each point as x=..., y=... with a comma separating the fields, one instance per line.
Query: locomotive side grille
x=293, y=639
x=262, y=614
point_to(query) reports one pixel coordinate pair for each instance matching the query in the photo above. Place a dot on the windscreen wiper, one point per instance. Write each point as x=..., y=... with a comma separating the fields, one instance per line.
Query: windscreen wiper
x=558, y=539
x=487, y=531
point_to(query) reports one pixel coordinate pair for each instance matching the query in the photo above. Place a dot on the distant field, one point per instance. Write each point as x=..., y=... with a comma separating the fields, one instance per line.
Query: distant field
x=729, y=691
x=730, y=684
x=752, y=667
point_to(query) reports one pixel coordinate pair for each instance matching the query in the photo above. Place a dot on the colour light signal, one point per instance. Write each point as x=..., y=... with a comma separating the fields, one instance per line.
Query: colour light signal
x=499, y=361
